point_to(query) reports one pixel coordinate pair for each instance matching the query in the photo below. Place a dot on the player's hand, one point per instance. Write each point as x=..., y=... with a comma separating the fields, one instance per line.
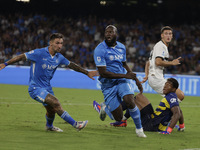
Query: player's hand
x=91, y=74
x=130, y=75
x=181, y=129
x=164, y=132
x=2, y=66
x=144, y=79
x=176, y=61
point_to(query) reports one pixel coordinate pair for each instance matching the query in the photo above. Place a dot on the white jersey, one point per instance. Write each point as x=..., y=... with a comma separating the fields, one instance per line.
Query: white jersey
x=159, y=50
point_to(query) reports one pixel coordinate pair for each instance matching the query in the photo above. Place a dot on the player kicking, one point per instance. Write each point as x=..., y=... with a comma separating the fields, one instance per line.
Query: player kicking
x=165, y=116
x=44, y=62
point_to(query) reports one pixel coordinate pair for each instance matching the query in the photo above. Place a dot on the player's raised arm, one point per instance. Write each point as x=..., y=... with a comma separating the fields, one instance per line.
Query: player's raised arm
x=161, y=62
x=12, y=61
x=77, y=68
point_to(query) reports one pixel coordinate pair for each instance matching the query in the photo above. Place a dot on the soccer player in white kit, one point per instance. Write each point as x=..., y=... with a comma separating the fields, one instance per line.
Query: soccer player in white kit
x=158, y=60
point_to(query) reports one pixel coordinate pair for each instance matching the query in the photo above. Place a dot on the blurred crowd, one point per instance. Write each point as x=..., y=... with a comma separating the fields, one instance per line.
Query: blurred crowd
x=21, y=33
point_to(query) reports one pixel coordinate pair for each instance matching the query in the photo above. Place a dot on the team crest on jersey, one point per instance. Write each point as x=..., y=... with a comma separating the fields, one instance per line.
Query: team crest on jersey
x=99, y=59
x=163, y=53
x=44, y=66
x=120, y=50
x=57, y=61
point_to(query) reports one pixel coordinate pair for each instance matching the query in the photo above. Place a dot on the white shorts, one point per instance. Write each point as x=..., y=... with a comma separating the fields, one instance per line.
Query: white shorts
x=157, y=84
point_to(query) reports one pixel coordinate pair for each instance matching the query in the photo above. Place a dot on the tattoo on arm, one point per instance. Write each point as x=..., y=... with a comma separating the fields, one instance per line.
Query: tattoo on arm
x=77, y=68
x=16, y=59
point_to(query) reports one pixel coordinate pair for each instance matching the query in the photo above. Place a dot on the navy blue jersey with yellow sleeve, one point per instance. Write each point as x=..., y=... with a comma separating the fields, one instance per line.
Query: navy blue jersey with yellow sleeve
x=162, y=115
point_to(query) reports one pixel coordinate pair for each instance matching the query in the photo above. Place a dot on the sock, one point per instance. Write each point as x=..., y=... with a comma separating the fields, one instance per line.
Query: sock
x=49, y=122
x=65, y=116
x=124, y=118
x=135, y=114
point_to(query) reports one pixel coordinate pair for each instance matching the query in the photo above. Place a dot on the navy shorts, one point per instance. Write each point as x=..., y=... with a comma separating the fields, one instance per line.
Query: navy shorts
x=147, y=121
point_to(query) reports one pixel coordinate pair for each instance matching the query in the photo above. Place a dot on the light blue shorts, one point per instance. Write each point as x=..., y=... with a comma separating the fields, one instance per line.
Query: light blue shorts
x=113, y=94
x=39, y=94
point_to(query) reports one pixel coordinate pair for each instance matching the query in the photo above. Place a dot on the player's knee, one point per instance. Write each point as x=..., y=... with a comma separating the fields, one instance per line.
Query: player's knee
x=129, y=100
x=57, y=106
x=180, y=95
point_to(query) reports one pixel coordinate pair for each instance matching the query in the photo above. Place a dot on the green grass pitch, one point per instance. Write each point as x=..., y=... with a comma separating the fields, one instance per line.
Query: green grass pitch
x=22, y=124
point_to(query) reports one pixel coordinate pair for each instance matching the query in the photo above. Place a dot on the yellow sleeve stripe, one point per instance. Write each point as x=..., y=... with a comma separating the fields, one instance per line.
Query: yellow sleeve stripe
x=164, y=100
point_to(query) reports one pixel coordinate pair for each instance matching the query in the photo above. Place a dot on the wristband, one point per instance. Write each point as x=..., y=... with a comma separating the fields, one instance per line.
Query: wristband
x=181, y=125
x=169, y=129
x=6, y=64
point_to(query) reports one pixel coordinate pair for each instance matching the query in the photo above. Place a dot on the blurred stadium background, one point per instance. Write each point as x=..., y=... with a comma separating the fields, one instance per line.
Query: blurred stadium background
x=27, y=25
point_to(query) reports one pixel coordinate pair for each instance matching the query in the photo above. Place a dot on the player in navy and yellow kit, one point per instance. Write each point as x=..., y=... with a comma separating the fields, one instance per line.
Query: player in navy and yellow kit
x=44, y=62
x=168, y=111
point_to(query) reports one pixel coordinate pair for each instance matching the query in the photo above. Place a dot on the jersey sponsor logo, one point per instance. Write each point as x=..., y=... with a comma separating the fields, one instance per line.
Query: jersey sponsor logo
x=111, y=57
x=44, y=59
x=99, y=59
x=51, y=67
x=44, y=66
x=116, y=57
x=173, y=100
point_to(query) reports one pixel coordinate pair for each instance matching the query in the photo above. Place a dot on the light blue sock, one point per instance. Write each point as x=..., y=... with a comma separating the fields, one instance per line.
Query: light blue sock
x=65, y=116
x=49, y=122
x=135, y=114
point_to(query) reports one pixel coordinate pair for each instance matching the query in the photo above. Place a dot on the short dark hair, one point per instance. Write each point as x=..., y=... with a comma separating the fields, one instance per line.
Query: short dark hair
x=112, y=26
x=174, y=82
x=165, y=28
x=55, y=36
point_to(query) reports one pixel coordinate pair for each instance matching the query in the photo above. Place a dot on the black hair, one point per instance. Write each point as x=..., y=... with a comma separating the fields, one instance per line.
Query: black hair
x=112, y=26
x=165, y=28
x=56, y=35
x=174, y=82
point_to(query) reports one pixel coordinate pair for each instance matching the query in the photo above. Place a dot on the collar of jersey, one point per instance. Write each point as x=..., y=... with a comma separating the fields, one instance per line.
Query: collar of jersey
x=47, y=50
x=104, y=43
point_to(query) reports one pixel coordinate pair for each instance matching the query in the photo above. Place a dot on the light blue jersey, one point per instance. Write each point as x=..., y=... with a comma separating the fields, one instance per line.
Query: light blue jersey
x=43, y=67
x=113, y=89
x=112, y=58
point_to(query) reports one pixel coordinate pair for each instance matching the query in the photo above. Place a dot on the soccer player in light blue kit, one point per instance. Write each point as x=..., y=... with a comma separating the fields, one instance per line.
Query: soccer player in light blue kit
x=115, y=75
x=44, y=63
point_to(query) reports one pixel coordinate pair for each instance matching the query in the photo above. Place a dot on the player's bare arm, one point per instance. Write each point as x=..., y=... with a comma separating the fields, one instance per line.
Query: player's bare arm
x=126, y=67
x=181, y=120
x=176, y=116
x=13, y=60
x=160, y=62
x=146, y=72
x=136, y=79
x=77, y=68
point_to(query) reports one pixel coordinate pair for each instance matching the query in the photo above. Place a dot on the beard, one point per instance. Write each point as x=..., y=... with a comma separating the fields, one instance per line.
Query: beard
x=111, y=42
